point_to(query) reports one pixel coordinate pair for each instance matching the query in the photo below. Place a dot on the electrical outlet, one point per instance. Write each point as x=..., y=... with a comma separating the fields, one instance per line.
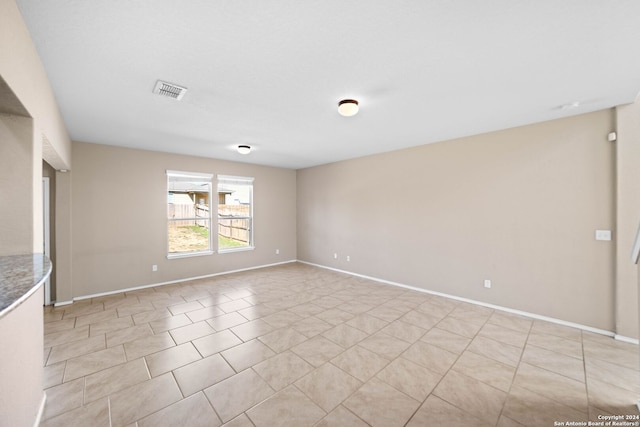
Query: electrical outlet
x=154, y=267
x=348, y=258
x=335, y=256
x=487, y=284
x=277, y=251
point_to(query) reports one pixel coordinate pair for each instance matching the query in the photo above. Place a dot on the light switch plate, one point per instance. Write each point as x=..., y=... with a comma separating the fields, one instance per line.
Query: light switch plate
x=603, y=234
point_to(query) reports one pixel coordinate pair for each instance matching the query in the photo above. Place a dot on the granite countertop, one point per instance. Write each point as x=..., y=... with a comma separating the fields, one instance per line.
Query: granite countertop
x=20, y=276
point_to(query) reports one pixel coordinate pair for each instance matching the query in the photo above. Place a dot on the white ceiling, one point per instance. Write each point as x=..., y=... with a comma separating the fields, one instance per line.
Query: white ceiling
x=270, y=73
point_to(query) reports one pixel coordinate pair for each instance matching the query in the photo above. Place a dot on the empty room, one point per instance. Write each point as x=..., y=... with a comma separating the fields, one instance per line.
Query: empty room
x=426, y=213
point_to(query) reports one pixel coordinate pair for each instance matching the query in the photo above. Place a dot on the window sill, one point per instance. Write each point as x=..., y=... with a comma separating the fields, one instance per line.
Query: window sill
x=226, y=251
x=189, y=254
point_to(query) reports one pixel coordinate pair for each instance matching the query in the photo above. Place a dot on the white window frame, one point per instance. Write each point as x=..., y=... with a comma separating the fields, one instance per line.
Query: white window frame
x=200, y=177
x=241, y=180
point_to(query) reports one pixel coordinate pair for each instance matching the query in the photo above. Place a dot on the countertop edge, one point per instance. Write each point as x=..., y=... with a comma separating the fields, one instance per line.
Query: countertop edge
x=34, y=288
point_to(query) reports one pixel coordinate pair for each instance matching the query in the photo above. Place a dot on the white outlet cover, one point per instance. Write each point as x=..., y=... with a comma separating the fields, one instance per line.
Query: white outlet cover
x=603, y=234
x=487, y=284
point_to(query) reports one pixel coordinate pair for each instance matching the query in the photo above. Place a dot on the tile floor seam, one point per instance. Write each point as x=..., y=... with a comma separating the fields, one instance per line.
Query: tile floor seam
x=413, y=414
x=551, y=372
x=458, y=358
x=146, y=366
x=353, y=413
x=82, y=354
x=609, y=361
x=420, y=402
x=515, y=372
x=342, y=370
x=463, y=409
x=440, y=380
x=211, y=406
x=178, y=384
x=258, y=403
x=558, y=403
x=228, y=363
x=393, y=386
x=555, y=352
x=135, y=421
x=63, y=370
x=586, y=377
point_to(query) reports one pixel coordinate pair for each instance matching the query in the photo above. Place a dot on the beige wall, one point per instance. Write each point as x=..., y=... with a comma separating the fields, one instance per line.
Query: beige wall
x=518, y=207
x=21, y=333
x=22, y=70
x=16, y=189
x=24, y=142
x=627, y=216
x=119, y=225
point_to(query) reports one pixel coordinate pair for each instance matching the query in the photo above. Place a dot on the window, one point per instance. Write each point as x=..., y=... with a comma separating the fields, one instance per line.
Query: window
x=189, y=213
x=235, y=213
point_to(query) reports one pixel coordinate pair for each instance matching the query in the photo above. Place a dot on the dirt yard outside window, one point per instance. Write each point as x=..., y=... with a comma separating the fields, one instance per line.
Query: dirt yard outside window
x=193, y=238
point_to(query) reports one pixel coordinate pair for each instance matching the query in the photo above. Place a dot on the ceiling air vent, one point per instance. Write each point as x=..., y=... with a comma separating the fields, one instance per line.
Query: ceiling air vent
x=169, y=90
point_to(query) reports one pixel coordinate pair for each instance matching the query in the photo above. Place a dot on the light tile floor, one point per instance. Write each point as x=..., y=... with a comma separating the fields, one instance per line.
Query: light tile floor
x=296, y=345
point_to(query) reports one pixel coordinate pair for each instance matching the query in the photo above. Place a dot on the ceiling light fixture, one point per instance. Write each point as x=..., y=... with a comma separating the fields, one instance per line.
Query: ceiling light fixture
x=244, y=149
x=348, y=107
x=570, y=106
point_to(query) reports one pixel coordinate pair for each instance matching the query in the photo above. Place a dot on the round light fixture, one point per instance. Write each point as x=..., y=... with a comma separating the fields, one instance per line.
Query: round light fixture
x=570, y=106
x=348, y=107
x=244, y=149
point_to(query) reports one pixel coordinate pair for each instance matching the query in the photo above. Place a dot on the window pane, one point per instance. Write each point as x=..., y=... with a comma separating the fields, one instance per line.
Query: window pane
x=234, y=213
x=188, y=238
x=189, y=213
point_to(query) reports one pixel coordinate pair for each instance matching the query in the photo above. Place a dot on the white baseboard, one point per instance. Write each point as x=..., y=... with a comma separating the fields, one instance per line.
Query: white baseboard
x=185, y=279
x=40, y=410
x=483, y=304
x=375, y=279
x=627, y=339
x=61, y=303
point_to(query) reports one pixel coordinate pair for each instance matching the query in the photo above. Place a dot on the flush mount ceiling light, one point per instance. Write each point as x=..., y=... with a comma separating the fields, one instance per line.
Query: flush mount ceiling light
x=348, y=107
x=570, y=106
x=244, y=149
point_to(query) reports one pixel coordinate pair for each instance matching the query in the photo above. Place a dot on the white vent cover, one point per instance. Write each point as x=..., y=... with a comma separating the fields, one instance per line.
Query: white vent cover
x=169, y=90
